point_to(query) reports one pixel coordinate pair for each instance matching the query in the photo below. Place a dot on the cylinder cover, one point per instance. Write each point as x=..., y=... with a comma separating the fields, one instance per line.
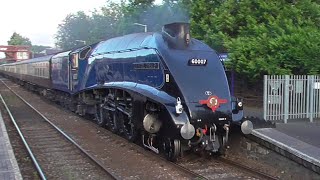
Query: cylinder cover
x=151, y=123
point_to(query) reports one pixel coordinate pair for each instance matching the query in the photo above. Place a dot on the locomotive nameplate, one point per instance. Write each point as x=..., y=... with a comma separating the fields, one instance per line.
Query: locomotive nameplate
x=197, y=62
x=146, y=65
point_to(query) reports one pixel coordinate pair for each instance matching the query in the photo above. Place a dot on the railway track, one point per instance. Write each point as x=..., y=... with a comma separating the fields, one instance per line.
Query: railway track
x=54, y=154
x=211, y=167
x=247, y=168
x=195, y=167
x=215, y=168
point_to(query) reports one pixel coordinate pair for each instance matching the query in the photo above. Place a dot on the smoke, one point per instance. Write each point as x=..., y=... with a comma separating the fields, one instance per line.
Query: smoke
x=177, y=13
x=158, y=15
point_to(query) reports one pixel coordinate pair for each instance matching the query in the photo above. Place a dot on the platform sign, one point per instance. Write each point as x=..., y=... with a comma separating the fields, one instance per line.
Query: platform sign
x=223, y=57
x=274, y=99
x=275, y=85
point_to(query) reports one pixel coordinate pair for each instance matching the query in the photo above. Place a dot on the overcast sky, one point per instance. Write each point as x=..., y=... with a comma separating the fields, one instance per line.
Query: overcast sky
x=38, y=19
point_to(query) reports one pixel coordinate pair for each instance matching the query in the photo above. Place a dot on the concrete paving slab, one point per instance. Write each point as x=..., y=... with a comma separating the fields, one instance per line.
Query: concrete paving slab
x=302, y=130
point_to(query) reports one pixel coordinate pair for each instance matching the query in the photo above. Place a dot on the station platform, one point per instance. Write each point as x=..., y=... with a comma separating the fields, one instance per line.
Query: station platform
x=297, y=140
x=9, y=169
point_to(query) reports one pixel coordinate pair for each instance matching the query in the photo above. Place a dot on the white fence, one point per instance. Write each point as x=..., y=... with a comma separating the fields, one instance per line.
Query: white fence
x=291, y=97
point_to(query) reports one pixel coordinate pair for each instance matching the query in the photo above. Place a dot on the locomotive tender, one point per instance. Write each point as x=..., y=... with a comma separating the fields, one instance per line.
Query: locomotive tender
x=166, y=88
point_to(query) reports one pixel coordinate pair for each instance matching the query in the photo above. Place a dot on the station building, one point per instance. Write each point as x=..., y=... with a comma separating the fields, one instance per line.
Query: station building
x=14, y=53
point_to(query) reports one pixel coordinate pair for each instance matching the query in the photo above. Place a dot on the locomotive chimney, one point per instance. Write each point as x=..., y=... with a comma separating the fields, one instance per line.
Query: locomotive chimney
x=177, y=35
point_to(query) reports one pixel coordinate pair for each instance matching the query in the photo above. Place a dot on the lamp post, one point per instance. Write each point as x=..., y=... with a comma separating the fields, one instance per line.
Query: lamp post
x=84, y=42
x=145, y=26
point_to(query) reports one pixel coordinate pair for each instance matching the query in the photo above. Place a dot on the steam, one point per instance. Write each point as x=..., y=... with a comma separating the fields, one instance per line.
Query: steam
x=158, y=15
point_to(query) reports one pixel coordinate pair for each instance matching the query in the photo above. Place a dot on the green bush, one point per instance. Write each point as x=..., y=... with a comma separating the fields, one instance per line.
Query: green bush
x=262, y=37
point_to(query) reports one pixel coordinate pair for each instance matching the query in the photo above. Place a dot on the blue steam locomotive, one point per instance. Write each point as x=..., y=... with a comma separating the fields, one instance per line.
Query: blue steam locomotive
x=165, y=88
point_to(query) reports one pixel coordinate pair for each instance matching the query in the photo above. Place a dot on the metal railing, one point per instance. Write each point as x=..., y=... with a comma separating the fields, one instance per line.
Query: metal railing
x=291, y=97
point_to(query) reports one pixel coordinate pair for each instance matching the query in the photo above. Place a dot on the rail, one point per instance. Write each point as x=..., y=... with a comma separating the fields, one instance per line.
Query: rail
x=246, y=168
x=34, y=160
x=38, y=167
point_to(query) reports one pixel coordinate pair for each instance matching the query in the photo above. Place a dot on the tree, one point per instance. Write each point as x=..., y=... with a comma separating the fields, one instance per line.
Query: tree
x=141, y=2
x=74, y=31
x=80, y=27
x=38, y=48
x=154, y=16
x=116, y=19
x=17, y=39
x=105, y=23
x=262, y=37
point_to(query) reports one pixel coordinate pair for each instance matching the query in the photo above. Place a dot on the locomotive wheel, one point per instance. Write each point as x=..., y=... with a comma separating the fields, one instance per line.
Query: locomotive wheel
x=112, y=122
x=99, y=116
x=129, y=129
x=172, y=149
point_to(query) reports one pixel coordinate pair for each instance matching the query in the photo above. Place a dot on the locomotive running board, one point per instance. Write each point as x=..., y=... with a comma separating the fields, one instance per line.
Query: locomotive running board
x=149, y=146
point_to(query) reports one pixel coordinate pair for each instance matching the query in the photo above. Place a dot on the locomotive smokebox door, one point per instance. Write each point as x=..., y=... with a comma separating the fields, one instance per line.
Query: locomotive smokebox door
x=177, y=35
